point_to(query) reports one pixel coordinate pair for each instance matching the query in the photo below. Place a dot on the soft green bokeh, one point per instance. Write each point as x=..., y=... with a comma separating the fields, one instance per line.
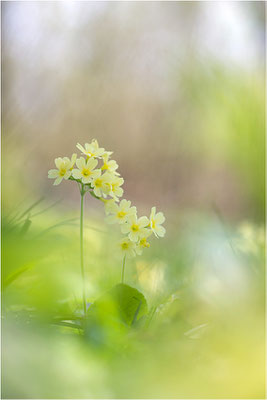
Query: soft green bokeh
x=204, y=286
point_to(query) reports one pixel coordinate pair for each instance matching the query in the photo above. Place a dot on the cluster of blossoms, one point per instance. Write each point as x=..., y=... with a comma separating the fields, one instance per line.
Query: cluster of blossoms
x=103, y=181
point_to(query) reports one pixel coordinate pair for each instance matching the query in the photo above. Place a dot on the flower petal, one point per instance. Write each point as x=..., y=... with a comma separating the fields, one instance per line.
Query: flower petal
x=80, y=147
x=58, y=180
x=91, y=163
x=125, y=204
x=80, y=162
x=67, y=175
x=133, y=236
x=159, y=218
x=53, y=173
x=58, y=162
x=86, y=179
x=153, y=212
x=76, y=173
x=160, y=231
x=73, y=159
x=143, y=221
x=95, y=174
x=125, y=228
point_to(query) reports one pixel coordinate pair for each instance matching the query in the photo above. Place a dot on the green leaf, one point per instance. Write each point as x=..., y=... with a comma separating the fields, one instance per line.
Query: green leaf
x=112, y=315
x=30, y=208
x=127, y=302
x=25, y=227
x=16, y=274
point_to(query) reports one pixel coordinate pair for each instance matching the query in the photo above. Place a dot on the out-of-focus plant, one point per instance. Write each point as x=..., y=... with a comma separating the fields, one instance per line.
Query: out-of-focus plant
x=101, y=183
x=250, y=238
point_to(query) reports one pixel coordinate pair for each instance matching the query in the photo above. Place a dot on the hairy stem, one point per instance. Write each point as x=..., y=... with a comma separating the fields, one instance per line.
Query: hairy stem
x=81, y=250
x=123, y=268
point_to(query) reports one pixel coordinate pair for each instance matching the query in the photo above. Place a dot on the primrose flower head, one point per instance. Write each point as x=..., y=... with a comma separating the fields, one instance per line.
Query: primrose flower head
x=156, y=219
x=109, y=205
x=135, y=227
x=91, y=149
x=109, y=165
x=120, y=212
x=105, y=181
x=100, y=183
x=64, y=166
x=86, y=170
x=115, y=186
x=127, y=247
x=143, y=243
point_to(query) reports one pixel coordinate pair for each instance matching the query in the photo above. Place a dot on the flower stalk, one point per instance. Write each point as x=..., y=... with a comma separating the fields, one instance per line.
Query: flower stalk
x=123, y=268
x=82, y=192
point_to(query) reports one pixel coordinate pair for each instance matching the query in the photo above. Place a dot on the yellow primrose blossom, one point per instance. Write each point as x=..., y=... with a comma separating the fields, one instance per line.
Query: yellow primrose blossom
x=91, y=149
x=64, y=166
x=107, y=153
x=135, y=227
x=109, y=165
x=156, y=219
x=143, y=243
x=115, y=186
x=127, y=247
x=86, y=170
x=120, y=212
x=100, y=183
x=108, y=204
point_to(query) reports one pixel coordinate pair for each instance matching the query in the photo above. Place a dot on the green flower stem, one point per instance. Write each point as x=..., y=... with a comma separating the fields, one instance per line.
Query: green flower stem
x=81, y=248
x=123, y=268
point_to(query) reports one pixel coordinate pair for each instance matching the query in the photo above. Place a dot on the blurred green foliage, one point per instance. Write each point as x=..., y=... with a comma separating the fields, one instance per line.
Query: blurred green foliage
x=230, y=110
x=201, y=320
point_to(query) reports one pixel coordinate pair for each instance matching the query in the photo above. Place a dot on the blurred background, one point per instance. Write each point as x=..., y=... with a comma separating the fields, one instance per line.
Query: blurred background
x=176, y=90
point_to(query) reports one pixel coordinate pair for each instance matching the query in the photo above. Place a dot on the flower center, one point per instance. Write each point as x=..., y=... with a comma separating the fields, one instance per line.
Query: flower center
x=98, y=183
x=153, y=224
x=86, y=172
x=62, y=171
x=104, y=166
x=121, y=214
x=144, y=243
x=124, y=246
x=135, y=228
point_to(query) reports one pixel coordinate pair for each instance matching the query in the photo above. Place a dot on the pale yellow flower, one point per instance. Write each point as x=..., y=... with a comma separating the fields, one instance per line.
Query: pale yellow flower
x=109, y=205
x=100, y=184
x=107, y=153
x=91, y=149
x=127, y=247
x=120, y=212
x=115, y=186
x=86, y=170
x=156, y=219
x=143, y=243
x=135, y=227
x=109, y=165
x=64, y=166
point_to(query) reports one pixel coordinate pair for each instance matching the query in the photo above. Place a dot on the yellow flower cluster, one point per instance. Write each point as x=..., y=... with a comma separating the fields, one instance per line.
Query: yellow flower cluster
x=137, y=229
x=103, y=181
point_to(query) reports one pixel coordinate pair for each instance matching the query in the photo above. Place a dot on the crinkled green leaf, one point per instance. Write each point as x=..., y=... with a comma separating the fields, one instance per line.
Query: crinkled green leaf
x=127, y=302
